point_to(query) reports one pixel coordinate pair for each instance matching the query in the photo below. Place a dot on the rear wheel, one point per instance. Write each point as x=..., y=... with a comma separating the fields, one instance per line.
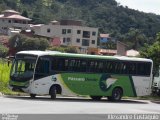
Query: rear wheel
x=33, y=95
x=53, y=92
x=116, y=94
x=96, y=97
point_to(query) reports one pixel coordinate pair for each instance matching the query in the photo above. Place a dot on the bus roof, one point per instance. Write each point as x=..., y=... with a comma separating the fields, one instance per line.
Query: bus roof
x=60, y=54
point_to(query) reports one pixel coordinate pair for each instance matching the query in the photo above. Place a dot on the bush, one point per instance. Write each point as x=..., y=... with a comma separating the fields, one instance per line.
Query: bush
x=4, y=76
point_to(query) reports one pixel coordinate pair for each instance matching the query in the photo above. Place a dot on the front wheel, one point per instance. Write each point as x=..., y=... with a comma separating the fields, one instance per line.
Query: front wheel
x=97, y=98
x=116, y=94
x=53, y=92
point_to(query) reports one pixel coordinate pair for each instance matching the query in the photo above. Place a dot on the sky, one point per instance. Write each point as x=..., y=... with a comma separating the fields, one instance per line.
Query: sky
x=148, y=6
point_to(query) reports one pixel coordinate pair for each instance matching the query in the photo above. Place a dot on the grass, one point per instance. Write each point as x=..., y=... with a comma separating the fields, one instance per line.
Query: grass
x=4, y=76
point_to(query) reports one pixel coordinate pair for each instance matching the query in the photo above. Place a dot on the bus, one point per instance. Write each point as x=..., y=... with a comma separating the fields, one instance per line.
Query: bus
x=53, y=72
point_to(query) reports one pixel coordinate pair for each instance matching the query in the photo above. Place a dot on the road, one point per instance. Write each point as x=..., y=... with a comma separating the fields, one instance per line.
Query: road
x=63, y=105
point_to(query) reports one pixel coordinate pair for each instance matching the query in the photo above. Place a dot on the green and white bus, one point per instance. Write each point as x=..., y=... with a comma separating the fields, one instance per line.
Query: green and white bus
x=51, y=73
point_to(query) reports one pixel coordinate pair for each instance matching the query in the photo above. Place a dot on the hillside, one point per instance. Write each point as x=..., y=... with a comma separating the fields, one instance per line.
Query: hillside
x=122, y=23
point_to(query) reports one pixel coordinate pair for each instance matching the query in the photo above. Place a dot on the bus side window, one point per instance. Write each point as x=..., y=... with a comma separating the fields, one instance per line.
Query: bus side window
x=106, y=67
x=83, y=65
x=91, y=66
x=147, y=68
x=77, y=65
x=42, y=69
x=71, y=65
x=111, y=67
x=141, y=69
x=61, y=66
x=54, y=64
x=100, y=67
x=117, y=67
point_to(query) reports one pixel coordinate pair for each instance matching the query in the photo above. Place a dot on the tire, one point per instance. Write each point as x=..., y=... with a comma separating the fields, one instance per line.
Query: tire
x=116, y=95
x=33, y=96
x=53, y=92
x=96, y=98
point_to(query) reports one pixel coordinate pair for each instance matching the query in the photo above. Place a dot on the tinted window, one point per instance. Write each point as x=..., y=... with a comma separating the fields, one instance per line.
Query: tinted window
x=42, y=68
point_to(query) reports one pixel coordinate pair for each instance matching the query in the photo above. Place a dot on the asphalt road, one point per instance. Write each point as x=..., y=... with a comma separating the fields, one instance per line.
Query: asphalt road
x=63, y=105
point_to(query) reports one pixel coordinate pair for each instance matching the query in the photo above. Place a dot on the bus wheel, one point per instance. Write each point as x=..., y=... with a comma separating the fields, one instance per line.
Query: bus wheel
x=53, y=92
x=116, y=94
x=33, y=95
x=96, y=97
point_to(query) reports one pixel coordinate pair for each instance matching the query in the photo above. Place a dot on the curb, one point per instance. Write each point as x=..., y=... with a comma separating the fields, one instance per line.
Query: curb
x=155, y=101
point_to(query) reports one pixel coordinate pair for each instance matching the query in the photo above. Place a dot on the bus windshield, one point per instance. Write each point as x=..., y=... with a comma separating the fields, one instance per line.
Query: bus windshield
x=23, y=68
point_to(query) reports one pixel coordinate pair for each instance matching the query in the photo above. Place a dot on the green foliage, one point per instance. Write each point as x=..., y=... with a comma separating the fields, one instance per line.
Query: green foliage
x=21, y=42
x=27, y=1
x=135, y=39
x=153, y=52
x=3, y=51
x=4, y=76
x=123, y=24
x=67, y=49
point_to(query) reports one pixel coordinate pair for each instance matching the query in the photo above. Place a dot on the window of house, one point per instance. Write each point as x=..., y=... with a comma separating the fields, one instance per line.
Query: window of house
x=63, y=31
x=78, y=40
x=86, y=34
x=93, y=41
x=93, y=33
x=78, y=31
x=15, y=21
x=48, y=30
x=24, y=22
x=85, y=42
x=68, y=39
x=64, y=40
x=69, y=31
x=9, y=21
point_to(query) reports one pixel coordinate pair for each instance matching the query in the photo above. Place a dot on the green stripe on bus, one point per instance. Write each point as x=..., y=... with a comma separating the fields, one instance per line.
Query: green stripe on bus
x=133, y=86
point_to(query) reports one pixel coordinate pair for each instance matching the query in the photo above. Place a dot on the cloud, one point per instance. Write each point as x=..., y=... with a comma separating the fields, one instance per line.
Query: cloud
x=149, y=6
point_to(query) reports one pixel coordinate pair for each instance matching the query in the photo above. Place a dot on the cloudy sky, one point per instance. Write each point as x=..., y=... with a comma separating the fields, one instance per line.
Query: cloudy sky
x=149, y=6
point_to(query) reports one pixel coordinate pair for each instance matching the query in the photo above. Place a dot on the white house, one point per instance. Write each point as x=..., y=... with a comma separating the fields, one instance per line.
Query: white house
x=69, y=32
x=12, y=19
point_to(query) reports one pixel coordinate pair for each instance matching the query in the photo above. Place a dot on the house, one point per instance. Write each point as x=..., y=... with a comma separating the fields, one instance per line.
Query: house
x=104, y=38
x=12, y=19
x=69, y=33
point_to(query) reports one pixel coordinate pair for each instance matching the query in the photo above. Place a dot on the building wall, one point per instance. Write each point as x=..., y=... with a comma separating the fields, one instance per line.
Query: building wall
x=70, y=33
x=9, y=23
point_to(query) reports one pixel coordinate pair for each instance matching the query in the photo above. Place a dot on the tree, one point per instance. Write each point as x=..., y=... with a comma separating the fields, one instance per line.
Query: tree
x=21, y=42
x=66, y=49
x=25, y=13
x=3, y=50
x=153, y=52
x=135, y=39
x=27, y=1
